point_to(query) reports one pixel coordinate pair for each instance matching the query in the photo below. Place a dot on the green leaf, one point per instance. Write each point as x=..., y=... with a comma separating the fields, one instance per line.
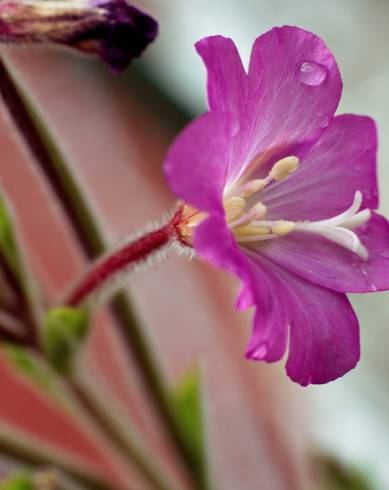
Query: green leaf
x=21, y=481
x=8, y=246
x=334, y=475
x=187, y=406
x=11, y=254
x=63, y=332
x=32, y=367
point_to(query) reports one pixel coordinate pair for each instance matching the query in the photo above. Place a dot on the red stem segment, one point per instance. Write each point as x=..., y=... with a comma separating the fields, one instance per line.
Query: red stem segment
x=132, y=253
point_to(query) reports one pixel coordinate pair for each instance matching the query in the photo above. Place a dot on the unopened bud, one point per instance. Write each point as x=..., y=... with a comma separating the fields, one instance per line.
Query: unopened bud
x=114, y=30
x=63, y=332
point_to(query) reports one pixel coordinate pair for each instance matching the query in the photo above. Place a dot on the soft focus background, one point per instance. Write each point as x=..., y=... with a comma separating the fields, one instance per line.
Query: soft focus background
x=261, y=426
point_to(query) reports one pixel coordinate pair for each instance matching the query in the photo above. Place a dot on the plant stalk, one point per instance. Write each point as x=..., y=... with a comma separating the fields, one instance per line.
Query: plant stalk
x=51, y=162
x=32, y=454
x=120, y=261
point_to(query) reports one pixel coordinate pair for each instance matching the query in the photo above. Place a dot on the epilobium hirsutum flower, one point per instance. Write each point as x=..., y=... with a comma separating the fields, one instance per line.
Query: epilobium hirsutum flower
x=282, y=194
x=112, y=29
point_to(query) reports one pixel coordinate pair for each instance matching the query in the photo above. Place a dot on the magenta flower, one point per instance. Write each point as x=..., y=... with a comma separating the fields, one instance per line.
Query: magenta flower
x=114, y=30
x=282, y=194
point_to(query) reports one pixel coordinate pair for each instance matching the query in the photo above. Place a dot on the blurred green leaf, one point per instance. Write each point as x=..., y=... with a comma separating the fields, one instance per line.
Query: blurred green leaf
x=32, y=367
x=21, y=481
x=186, y=398
x=12, y=256
x=63, y=332
x=334, y=475
x=7, y=238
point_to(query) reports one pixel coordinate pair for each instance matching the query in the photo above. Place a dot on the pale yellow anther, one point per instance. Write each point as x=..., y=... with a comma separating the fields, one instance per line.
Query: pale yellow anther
x=283, y=227
x=234, y=207
x=234, y=202
x=283, y=168
x=253, y=186
x=258, y=211
x=250, y=230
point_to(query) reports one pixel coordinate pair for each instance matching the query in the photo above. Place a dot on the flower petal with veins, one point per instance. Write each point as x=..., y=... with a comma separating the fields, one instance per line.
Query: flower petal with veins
x=285, y=196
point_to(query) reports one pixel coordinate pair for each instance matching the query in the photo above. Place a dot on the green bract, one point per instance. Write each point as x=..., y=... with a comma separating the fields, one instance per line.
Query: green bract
x=63, y=332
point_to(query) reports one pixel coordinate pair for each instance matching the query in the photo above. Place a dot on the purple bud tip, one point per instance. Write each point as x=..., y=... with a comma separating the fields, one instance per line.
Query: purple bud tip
x=114, y=30
x=124, y=34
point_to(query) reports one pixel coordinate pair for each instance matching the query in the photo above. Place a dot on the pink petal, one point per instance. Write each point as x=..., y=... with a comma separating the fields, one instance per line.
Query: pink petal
x=227, y=79
x=324, y=338
x=270, y=327
x=324, y=333
x=215, y=243
x=332, y=266
x=195, y=165
x=340, y=163
x=294, y=89
x=278, y=109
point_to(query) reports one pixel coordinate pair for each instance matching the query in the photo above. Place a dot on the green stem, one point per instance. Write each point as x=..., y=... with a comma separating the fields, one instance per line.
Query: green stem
x=33, y=454
x=50, y=160
x=92, y=404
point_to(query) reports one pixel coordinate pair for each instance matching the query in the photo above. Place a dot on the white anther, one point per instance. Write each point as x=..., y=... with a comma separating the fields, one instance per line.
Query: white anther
x=283, y=168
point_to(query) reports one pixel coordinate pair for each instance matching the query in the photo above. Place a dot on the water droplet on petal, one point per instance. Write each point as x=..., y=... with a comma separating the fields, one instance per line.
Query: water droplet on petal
x=360, y=167
x=322, y=120
x=369, y=280
x=385, y=254
x=370, y=194
x=312, y=73
x=367, y=194
x=235, y=127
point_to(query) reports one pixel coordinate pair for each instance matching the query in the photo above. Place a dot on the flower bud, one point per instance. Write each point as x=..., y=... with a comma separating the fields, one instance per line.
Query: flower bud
x=63, y=333
x=114, y=30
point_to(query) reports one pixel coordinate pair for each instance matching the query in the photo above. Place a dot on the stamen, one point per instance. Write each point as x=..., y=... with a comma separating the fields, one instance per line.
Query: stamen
x=256, y=212
x=250, y=230
x=248, y=189
x=283, y=168
x=283, y=227
x=234, y=208
x=257, y=238
x=279, y=171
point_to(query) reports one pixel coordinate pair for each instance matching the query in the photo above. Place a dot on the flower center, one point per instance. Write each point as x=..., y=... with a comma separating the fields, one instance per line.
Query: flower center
x=249, y=224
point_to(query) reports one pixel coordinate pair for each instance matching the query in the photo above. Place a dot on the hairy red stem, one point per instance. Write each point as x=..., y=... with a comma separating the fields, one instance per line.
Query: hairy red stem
x=130, y=254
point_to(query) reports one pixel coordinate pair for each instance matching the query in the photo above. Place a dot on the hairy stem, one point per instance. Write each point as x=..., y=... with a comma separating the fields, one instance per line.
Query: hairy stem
x=51, y=161
x=129, y=255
